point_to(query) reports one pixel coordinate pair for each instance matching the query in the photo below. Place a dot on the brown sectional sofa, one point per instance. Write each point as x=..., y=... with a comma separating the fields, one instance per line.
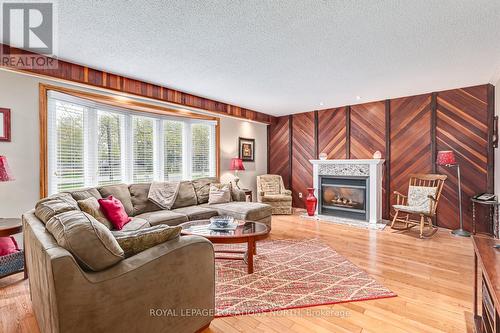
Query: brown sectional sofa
x=175, y=276
x=191, y=204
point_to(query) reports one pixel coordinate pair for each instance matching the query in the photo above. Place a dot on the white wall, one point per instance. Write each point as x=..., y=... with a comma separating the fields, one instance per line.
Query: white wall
x=19, y=93
x=231, y=129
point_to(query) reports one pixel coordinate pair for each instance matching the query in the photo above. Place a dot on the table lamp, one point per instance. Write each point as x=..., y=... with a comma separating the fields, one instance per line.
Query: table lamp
x=236, y=165
x=447, y=158
x=5, y=173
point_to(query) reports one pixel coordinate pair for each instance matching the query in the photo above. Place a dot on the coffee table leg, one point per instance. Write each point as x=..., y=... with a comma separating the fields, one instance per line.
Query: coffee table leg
x=251, y=248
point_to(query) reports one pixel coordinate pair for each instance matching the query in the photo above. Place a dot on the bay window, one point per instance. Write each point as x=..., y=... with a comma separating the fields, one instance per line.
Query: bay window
x=93, y=144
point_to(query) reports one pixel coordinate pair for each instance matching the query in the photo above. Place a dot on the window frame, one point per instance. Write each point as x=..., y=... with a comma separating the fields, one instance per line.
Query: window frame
x=130, y=105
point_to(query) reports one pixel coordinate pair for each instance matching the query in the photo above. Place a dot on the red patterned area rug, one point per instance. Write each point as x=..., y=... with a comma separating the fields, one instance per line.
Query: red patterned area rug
x=291, y=274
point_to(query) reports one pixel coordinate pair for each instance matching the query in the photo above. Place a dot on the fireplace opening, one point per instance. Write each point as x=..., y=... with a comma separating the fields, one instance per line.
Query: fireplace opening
x=344, y=197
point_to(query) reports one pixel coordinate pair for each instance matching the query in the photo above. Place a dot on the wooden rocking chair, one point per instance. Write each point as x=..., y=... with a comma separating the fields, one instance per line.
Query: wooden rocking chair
x=424, y=192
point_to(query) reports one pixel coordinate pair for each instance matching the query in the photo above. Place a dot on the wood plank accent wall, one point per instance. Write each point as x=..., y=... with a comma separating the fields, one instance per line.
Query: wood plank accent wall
x=303, y=150
x=462, y=126
x=408, y=131
x=332, y=132
x=410, y=140
x=68, y=71
x=368, y=132
x=279, y=148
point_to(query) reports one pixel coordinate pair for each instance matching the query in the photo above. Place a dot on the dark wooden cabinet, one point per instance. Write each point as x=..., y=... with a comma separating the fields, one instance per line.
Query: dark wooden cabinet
x=486, y=285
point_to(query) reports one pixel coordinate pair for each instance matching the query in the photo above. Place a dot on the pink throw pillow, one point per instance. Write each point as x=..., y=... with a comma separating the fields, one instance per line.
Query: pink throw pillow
x=8, y=245
x=114, y=211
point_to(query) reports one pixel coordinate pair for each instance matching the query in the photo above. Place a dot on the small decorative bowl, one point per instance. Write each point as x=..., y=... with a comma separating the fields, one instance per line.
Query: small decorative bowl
x=221, y=221
x=323, y=156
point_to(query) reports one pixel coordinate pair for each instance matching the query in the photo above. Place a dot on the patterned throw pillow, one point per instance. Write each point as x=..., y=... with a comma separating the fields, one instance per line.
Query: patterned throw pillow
x=135, y=241
x=91, y=206
x=418, y=197
x=219, y=193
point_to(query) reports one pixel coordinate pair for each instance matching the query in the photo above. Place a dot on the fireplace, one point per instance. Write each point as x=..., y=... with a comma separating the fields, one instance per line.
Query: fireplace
x=344, y=196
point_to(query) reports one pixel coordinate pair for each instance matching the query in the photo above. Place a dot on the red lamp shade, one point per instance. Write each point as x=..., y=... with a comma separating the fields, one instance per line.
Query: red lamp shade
x=237, y=164
x=446, y=157
x=5, y=174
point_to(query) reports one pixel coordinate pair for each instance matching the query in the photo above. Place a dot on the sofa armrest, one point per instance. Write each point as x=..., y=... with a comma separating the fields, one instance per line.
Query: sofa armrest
x=238, y=194
x=152, y=290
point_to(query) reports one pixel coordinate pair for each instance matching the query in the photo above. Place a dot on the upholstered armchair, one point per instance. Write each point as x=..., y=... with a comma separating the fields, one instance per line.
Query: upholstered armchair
x=271, y=190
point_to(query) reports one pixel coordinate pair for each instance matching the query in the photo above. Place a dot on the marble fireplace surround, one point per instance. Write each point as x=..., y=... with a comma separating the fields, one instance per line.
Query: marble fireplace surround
x=371, y=168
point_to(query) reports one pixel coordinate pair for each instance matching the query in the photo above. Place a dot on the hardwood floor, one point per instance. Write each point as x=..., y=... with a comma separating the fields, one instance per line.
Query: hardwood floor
x=432, y=277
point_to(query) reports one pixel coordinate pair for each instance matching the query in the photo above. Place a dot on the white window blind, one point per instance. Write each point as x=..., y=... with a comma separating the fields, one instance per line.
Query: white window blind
x=91, y=144
x=109, y=147
x=143, y=141
x=173, y=133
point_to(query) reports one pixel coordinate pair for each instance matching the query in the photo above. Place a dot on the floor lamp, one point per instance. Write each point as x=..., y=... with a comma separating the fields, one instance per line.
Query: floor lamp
x=447, y=158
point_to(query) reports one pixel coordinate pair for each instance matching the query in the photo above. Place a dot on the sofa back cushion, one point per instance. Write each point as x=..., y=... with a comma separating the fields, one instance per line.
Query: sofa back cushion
x=46, y=208
x=139, y=196
x=186, y=195
x=90, y=242
x=202, y=188
x=121, y=193
x=85, y=194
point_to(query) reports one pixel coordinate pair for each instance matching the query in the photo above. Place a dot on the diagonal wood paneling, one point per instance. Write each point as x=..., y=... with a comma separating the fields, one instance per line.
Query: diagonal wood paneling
x=367, y=129
x=367, y=135
x=462, y=118
x=303, y=146
x=410, y=140
x=332, y=132
x=279, y=149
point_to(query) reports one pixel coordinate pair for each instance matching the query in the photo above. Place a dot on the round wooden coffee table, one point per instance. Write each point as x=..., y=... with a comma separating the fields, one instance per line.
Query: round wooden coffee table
x=247, y=232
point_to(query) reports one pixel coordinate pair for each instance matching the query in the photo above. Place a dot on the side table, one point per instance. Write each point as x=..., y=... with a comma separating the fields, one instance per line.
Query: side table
x=248, y=193
x=492, y=206
x=9, y=227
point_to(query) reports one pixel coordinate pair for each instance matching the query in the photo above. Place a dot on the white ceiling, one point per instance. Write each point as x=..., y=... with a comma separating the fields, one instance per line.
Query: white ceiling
x=288, y=56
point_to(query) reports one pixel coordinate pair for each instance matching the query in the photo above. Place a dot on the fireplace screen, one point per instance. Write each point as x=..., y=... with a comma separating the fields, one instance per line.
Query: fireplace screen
x=344, y=197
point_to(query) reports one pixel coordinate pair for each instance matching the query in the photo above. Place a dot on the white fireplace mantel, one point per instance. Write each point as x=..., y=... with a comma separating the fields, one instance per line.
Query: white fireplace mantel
x=371, y=168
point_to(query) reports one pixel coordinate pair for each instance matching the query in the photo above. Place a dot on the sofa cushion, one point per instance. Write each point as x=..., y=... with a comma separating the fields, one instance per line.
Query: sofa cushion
x=276, y=198
x=90, y=242
x=186, y=195
x=85, y=194
x=91, y=206
x=46, y=208
x=139, y=198
x=251, y=211
x=133, y=242
x=121, y=193
x=196, y=212
x=202, y=188
x=135, y=224
x=164, y=217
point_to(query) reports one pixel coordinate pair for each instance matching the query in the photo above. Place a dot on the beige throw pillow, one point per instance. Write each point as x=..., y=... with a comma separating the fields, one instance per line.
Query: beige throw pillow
x=91, y=206
x=219, y=193
x=133, y=242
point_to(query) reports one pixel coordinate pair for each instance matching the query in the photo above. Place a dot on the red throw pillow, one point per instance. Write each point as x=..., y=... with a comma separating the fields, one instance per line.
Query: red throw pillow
x=8, y=245
x=114, y=211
